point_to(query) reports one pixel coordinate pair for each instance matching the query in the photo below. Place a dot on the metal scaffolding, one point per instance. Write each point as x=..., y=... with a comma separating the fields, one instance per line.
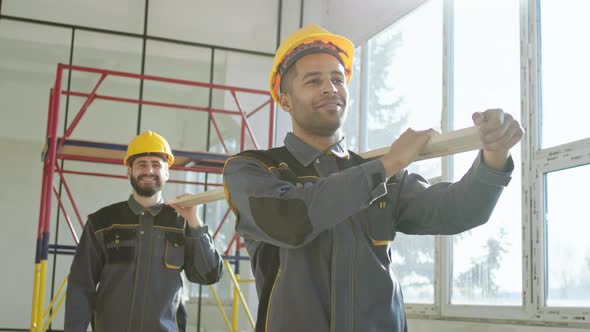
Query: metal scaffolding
x=59, y=148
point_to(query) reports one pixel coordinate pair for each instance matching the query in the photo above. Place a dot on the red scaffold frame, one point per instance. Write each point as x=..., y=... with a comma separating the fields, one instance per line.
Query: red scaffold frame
x=56, y=149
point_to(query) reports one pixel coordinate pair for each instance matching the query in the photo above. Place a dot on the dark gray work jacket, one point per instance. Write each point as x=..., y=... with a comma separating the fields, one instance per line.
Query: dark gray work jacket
x=318, y=228
x=127, y=269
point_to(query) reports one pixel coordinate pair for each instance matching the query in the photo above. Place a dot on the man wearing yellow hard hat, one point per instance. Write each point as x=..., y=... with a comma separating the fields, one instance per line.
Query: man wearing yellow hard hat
x=127, y=269
x=318, y=219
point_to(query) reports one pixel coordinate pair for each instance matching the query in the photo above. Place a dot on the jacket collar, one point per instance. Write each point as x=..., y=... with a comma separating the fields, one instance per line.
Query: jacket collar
x=137, y=208
x=306, y=154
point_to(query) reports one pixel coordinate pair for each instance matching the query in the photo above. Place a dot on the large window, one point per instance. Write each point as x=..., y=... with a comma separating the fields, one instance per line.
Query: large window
x=531, y=260
x=562, y=159
x=402, y=93
x=487, y=263
x=564, y=71
x=567, y=218
x=351, y=125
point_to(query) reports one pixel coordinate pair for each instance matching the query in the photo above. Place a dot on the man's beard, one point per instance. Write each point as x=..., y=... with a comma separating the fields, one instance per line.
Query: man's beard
x=318, y=127
x=314, y=122
x=146, y=192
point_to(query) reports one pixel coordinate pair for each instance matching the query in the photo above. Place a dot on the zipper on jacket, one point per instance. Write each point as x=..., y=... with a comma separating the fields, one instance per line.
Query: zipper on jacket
x=147, y=281
x=352, y=274
x=138, y=260
x=333, y=283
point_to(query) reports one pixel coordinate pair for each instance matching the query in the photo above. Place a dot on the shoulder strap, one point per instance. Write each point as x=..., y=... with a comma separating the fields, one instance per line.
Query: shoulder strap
x=270, y=158
x=109, y=215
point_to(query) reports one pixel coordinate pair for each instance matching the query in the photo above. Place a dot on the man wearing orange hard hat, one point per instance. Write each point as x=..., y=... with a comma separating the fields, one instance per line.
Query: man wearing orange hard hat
x=318, y=219
x=127, y=269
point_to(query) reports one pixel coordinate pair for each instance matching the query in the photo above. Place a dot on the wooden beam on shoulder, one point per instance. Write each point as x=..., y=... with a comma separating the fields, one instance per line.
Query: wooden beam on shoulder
x=446, y=144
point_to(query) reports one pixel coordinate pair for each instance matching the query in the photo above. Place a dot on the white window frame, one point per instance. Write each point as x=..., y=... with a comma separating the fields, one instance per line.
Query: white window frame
x=506, y=312
x=535, y=164
x=556, y=158
x=543, y=161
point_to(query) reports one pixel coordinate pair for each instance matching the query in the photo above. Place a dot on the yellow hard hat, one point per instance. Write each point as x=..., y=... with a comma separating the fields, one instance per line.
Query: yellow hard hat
x=149, y=142
x=315, y=38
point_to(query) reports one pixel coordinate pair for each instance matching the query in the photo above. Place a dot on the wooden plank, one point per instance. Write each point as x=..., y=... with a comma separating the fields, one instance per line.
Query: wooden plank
x=440, y=145
x=200, y=198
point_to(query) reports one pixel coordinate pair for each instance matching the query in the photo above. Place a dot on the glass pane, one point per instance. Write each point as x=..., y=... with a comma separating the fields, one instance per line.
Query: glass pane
x=29, y=54
x=247, y=25
x=487, y=261
x=184, y=129
x=212, y=215
x=115, y=15
x=290, y=16
x=398, y=99
x=244, y=71
x=567, y=225
x=564, y=71
x=403, y=91
x=283, y=125
x=413, y=258
x=351, y=125
x=110, y=52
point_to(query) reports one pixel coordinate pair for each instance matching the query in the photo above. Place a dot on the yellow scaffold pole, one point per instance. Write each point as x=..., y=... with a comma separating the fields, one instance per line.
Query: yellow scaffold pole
x=52, y=303
x=235, y=306
x=56, y=309
x=41, y=297
x=220, y=306
x=232, y=276
x=36, y=282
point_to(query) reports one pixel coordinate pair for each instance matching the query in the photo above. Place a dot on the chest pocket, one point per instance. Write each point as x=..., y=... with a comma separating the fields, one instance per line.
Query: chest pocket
x=380, y=227
x=120, y=244
x=382, y=214
x=174, y=252
x=379, y=231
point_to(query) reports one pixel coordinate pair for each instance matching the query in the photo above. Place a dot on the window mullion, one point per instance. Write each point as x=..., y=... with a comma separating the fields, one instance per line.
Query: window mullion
x=364, y=88
x=529, y=106
x=443, y=244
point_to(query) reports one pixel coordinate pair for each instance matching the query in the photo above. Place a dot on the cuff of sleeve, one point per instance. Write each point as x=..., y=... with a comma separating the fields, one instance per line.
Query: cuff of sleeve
x=491, y=176
x=375, y=174
x=191, y=232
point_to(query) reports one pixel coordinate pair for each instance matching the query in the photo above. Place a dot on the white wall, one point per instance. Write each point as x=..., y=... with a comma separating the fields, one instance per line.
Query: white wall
x=28, y=57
